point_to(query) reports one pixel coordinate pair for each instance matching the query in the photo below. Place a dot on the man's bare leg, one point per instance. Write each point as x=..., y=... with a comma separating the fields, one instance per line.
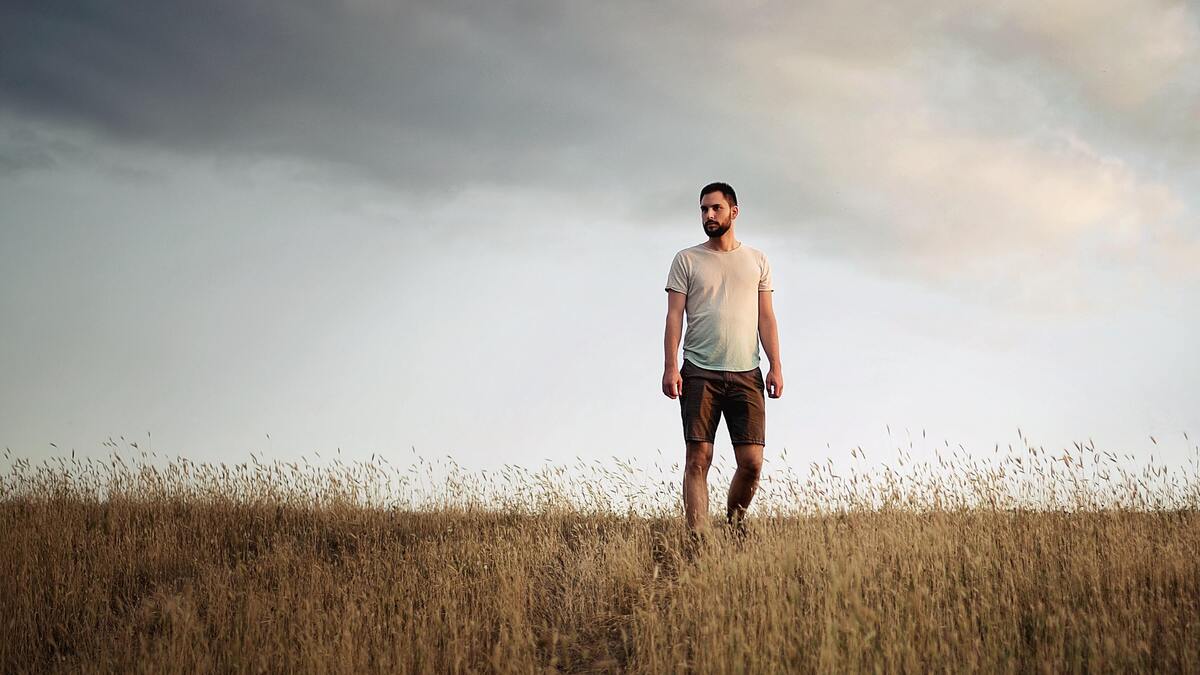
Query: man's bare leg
x=695, y=484
x=745, y=481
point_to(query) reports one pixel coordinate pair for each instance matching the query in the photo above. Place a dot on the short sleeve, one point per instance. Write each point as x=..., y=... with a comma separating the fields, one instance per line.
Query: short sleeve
x=764, y=278
x=677, y=278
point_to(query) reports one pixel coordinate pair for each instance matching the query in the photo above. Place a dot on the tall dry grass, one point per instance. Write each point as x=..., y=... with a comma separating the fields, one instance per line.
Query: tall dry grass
x=1025, y=562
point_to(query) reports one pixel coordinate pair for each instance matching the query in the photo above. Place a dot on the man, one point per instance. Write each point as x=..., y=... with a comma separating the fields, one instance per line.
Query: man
x=724, y=287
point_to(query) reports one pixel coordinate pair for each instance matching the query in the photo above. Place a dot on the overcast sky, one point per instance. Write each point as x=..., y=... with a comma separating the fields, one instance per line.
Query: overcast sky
x=379, y=226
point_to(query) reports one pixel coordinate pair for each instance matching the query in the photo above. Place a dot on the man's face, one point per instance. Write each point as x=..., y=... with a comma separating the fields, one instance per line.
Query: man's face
x=716, y=214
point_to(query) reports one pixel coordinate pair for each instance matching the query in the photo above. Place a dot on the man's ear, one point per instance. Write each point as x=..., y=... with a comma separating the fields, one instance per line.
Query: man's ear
x=733, y=211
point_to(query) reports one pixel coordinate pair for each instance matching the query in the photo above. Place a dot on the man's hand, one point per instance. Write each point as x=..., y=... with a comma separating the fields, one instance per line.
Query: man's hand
x=672, y=385
x=774, y=383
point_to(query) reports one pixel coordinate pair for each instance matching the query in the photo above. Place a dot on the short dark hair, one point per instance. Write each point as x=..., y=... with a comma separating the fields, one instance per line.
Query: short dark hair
x=724, y=188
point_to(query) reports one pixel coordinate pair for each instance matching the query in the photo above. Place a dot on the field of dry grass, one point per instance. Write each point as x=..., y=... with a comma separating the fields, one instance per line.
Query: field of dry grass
x=1029, y=563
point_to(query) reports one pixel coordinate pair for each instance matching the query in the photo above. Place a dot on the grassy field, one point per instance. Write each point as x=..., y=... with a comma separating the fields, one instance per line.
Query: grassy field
x=178, y=567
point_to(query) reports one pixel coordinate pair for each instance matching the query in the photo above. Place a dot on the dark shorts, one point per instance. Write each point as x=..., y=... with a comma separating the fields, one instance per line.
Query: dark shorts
x=707, y=394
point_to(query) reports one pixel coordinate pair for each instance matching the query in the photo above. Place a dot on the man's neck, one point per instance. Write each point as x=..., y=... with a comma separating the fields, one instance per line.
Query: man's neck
x=725, y=242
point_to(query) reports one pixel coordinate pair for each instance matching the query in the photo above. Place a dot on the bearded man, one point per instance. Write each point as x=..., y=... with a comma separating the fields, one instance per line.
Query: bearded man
x=724, y=289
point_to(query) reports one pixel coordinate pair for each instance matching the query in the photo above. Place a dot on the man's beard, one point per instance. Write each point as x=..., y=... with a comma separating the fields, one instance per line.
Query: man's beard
x=721, y=229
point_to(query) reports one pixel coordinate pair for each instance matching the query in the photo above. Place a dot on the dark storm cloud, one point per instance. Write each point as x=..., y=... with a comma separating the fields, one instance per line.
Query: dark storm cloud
x=507, y=92
x=923, y=131
x=423, y=94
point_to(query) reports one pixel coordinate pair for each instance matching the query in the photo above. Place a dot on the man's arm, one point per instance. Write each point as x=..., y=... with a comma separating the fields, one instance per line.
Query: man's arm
x=768, y=334
x=672, y=383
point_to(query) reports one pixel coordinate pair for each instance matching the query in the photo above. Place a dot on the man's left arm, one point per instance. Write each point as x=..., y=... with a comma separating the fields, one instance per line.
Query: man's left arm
x=768, y=334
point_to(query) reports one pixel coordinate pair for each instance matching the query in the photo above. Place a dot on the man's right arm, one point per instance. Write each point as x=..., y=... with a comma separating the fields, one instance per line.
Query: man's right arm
x=672, y=383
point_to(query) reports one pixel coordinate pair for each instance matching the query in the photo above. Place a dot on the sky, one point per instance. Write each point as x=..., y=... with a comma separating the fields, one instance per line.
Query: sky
x=444, y=228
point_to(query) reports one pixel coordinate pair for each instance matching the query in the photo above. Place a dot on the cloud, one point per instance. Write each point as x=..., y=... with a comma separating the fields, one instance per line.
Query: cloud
x=17, y=156
x=1126, y=70
x=928, y=139
x=936, y=159
x=423, y=96
x=1122, y=53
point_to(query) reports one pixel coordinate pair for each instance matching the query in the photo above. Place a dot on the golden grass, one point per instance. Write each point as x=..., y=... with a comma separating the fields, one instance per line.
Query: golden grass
x=1060, y=565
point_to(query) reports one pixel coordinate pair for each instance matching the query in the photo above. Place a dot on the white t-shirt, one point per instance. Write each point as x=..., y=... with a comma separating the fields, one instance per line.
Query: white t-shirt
x=722, y=290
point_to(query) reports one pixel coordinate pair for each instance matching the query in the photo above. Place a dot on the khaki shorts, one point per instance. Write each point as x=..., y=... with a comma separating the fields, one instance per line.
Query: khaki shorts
x=707, y=394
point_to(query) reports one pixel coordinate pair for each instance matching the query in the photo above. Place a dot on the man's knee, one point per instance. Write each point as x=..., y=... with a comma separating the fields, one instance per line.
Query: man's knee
x=699, y=458
x=751, y=469
x=696, y=467
x=749, y=464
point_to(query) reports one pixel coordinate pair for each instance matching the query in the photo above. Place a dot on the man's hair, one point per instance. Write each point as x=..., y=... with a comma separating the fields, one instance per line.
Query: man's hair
x=724, y=189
